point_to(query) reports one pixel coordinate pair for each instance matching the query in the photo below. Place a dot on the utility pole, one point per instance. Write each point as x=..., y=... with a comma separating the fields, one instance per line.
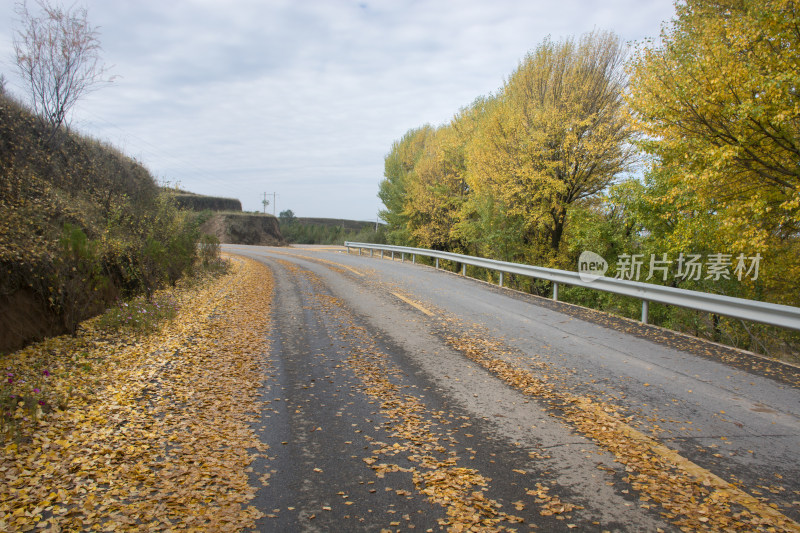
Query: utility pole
x=265, y=202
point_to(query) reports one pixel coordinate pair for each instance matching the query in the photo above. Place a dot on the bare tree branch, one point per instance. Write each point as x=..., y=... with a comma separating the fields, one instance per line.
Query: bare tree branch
x=58, y=55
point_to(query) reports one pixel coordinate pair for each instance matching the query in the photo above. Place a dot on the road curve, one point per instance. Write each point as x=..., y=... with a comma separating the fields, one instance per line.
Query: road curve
x=401, y=397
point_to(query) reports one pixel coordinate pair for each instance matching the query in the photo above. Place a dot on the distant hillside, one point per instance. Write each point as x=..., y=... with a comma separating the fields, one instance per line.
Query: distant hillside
x=244, y=228
x=328, y=230
x=223, y=218
x=199, y=202
x=347, y=225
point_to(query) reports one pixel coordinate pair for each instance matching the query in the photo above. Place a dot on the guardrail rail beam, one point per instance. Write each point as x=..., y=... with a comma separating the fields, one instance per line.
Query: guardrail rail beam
x=784, y=316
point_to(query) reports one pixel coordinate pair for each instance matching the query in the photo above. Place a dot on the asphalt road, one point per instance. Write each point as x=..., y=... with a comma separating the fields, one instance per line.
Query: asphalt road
x=404, y=398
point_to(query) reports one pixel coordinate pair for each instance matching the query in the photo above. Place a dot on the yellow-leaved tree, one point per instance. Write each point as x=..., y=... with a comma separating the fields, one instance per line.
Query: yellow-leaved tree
x=718, y=99
x=438, y=202
x=557, y=133
x=437, y=191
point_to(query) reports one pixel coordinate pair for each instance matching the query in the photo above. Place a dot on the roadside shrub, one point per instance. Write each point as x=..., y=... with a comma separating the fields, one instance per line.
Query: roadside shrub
x=209, y=250
x=76, y=281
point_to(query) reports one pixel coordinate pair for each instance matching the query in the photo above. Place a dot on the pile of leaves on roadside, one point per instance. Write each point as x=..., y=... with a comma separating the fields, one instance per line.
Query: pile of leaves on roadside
x=123, y=428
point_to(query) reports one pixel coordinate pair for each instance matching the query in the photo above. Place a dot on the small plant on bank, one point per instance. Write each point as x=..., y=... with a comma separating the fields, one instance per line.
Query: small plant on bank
x=23, y=398
x=140, y=315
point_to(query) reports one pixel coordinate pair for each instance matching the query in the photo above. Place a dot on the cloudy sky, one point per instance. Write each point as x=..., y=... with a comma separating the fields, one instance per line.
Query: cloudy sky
x=303, y=98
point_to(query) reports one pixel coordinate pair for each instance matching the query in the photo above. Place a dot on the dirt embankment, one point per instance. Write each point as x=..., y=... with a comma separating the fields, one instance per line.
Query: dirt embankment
x=244, y=228
x=197, y=202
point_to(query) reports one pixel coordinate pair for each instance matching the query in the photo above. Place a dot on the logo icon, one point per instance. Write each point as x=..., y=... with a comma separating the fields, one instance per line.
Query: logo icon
x=591, y=266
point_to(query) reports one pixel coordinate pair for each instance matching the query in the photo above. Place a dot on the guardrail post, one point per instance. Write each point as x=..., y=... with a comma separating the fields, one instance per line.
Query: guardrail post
x=359, y=250
x=501, y=279
x=555, y=290
x=403, y=257
x=392, y=255
x=371, y=252
x=381, y=254
x=463, y=269
x=645, y=309
x=414, y=258
x=437, y=263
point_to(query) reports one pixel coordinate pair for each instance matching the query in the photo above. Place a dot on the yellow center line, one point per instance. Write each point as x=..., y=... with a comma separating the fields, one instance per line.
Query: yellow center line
x=413, y=304
x=708, y=478
x=354, y=271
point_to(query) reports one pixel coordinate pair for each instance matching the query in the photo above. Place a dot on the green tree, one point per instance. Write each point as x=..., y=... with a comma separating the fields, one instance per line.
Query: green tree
x=610, y=224
x=399, y=164
x=286, y=217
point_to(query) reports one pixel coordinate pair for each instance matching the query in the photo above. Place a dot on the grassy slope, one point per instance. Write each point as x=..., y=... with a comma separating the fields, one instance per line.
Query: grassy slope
x=80, y=225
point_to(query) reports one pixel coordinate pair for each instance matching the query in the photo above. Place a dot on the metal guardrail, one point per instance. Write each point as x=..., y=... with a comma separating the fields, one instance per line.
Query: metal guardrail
x=784, y=316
